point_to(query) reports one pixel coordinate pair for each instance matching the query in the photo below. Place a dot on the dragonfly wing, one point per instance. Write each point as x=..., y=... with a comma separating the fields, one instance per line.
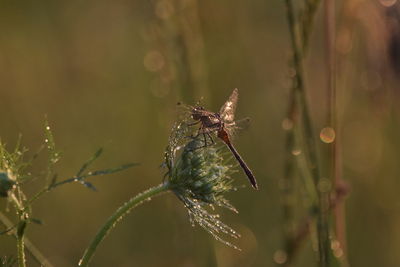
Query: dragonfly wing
x=227, y=111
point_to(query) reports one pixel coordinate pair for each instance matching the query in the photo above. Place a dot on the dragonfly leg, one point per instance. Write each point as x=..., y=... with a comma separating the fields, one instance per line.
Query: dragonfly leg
x=205, y=136
x=193, y=123
x=211, y=139
x=197, y=134
x=205, y=139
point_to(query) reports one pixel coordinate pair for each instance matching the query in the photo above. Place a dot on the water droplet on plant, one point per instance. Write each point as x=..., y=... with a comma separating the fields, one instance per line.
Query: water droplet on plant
x=336, y=248
x=296, y=152
x=287, y=124
x=327, y=135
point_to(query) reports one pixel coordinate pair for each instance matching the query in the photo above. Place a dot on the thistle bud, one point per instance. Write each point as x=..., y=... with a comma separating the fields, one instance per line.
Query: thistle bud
x=200, y=176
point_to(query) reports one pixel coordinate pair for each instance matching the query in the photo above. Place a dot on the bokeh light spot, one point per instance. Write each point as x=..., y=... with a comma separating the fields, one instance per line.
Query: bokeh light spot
x=296, y=152
x=387, y=3
x=336, y=248
x=154, y=61
x=164, y=9
x=344, y=41
x=327, y=135
x=287, y=124
x=280, y=256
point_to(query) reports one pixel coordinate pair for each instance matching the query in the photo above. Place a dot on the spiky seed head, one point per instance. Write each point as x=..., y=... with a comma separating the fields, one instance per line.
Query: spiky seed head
x=199, y=176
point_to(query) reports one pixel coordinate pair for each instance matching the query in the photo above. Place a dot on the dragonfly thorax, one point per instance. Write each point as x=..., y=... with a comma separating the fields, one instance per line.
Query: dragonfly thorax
x=208, y=119
x=211, y=121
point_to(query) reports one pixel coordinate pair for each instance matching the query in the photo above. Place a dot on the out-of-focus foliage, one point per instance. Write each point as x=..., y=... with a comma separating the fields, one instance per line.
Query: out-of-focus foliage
x=110, y=73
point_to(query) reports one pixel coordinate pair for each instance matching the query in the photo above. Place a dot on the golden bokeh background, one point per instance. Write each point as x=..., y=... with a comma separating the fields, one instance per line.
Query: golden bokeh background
x=109, y=74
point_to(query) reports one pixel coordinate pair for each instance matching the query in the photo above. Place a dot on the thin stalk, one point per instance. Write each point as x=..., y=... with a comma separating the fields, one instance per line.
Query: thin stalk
x=20, y=229
x=335, y=155
x=288, y=178
x=20, y=243
x=78, y=178
x=308, y=145
x=189, y=25
x=182, y=44
x=307, y=21
x=33, y=251
x=117, y=216
x=303, y=230
x=288, y=181
x=323, y=222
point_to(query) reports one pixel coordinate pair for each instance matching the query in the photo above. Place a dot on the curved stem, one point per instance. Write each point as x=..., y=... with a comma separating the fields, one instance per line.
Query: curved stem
x=117, y=216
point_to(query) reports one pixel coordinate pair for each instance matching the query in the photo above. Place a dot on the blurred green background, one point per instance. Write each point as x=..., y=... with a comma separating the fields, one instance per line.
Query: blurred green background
x=109, y=74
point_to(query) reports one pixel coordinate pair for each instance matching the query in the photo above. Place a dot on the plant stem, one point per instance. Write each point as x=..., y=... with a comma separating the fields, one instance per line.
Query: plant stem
x=324, y=202
x=20, y=243
x=117, y=216
x=305, y=137
x=299, y=88
x=332, y=119
x=20, y=229
x=33, y=251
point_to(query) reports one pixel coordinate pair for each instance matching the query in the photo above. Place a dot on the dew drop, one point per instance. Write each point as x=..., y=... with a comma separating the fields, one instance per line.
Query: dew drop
x=327, y=135
x=287, y=124
x=336, y=248
x=296, y=152
x=335, y=244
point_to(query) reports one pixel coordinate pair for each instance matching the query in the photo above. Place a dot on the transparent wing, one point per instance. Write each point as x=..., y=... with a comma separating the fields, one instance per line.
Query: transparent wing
x=184, y=111
x=227, y=111
x=235, y=128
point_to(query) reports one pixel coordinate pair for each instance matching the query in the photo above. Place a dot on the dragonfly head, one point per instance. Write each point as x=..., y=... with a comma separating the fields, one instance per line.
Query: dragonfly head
x=197, y=112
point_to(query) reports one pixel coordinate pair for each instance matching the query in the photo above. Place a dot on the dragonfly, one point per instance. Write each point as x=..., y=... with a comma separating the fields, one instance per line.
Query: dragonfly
x=222, y=123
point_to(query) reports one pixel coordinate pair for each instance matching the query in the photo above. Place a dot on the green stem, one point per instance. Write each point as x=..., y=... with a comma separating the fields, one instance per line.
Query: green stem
x=117, y=216
x=34, y=252
x=20, y=229
x=20, y=243
x=302, y=134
